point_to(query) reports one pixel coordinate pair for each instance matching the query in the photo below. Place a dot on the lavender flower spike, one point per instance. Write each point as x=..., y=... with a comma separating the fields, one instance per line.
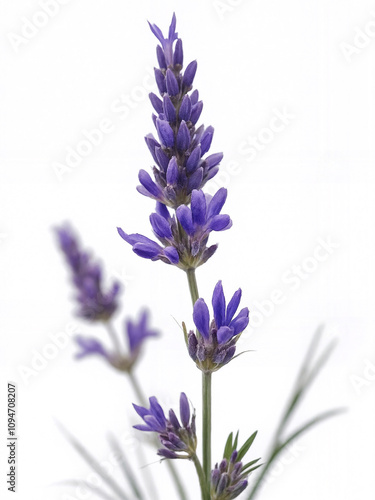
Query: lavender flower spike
x=94, y=303
x=137, y=333
x=184, y=236
x=215, y=345
x=179, y=441
x=181, y=146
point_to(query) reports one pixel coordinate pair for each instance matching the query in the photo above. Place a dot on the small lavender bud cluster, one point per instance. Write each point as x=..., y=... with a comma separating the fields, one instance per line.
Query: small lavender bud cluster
x=179, y=440
x=215, y=345
x=228, y=480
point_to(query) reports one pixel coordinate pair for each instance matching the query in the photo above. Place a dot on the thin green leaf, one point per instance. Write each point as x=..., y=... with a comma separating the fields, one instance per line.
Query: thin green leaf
x=94, y=464
x=249, y=464
x=253, y=468
x=126, y=468
x=234, y=447
x=246, y=446
x=228, y=447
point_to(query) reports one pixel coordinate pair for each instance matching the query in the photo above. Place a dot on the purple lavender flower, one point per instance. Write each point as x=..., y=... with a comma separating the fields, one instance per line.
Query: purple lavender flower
x=215, y=345
x=136, y=332
x=228, y=480
x=178, y=154
x=94, y=303
x=179, y=441
x=184, y=236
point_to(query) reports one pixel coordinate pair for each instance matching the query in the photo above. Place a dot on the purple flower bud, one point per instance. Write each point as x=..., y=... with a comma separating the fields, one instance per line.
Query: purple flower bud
x=172, y=171
x=193, y=160
x=160, y=226
x=165, y=133
x=183, y=137
x=178, y=55
x=196, y=111
x=189, y=74
x=195, y=180
x=192, y=346
x=172, y=84
x=161, y=58
x=220, y=223
x=201, y=318
x=148, y=183
x=198, y=207
x=171, y=254
x=156, y=102
x=218, y=304
x=194, y=97
x=184, y=216
x=161, y=159
x=207, y=139
x=185, y=109
x=169, y=109
x=160, y=81
x=184, y=410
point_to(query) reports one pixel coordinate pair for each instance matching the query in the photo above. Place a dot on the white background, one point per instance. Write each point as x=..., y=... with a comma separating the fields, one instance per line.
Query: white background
x=314, y=180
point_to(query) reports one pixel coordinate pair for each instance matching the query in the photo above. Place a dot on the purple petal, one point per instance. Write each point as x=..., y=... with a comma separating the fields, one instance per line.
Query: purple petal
x=189, y=74
x=141, y=427
x=196, y=112
x=178, y=55
x=224, y=334
x=163, y=452
x=162, y=210
x=220, y=223
x=169, y=109
x=174, y=420
x=201, y=317
x=161, y=57
x=146, y=251
x=216, y=203
x=172, y=171
x=218, y=304
x=156, y=102
x=185, y=218
x=160, y=81
x=198, y=207
x=183, y=137
x=160, y=226
x=165, y=133
x=161, y=158
x=184, y=410
x=152, y=144
x=240, y=323
x=233, y=306
x=194, y=96
x=157, y=410
x=171, y=254
x=172, y=84
x=146, y=181
x=193, y=160
x=140, y=410
x=185, y=109
x=207, y=139
x=195, y=180
x=213, y=160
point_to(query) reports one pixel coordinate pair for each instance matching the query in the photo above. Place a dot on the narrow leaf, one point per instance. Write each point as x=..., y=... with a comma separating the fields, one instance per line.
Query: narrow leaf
x=246, y=446
x=228, y=447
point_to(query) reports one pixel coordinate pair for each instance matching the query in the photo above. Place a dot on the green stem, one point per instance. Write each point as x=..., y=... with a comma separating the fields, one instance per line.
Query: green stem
x=206, y=395
x=206, y=431
x=193, y=287
x=201, y=477
x=172, y=469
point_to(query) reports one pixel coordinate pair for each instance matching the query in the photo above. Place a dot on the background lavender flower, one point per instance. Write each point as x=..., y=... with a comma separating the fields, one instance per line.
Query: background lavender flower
x=94, y=304
x=180, y=167
x=184, y=236
x=215, y=345
x=179, y=441
x=136, y=333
